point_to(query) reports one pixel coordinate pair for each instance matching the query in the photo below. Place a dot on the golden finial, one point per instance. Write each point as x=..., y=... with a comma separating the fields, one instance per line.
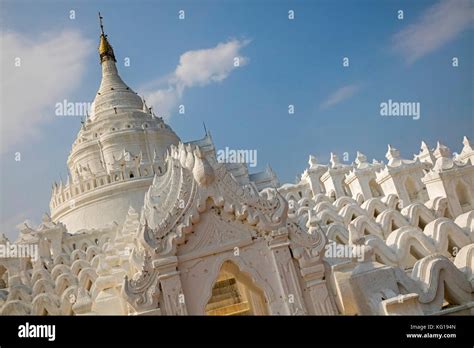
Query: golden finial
x=105, y=49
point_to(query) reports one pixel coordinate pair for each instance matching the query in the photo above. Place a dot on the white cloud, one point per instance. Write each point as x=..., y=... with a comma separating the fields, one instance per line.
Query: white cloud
x=438, y=25
x=340, y=95
x=51, y=68
x=195, y=68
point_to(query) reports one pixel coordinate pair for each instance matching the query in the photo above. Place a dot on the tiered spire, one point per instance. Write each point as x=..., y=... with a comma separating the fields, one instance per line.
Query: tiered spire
x=113, y=95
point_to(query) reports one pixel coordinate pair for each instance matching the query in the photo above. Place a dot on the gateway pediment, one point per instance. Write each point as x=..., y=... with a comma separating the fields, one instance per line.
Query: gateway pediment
x=216, y=231
x=194, y=184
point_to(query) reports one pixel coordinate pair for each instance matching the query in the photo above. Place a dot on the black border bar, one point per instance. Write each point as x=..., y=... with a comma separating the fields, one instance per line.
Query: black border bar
x=288, y=330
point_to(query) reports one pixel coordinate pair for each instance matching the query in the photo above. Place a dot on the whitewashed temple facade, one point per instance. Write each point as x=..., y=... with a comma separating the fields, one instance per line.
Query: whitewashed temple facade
x=147, y=224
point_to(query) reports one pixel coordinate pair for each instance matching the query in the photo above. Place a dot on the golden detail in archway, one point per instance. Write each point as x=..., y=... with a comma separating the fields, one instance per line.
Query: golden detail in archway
x=234, y=294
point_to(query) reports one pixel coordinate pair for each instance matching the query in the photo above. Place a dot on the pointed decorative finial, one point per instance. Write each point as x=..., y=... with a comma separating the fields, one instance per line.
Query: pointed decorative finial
x=361, y=160
x=442, y=150
x=312, y=161
x=392, y=153
x=106, y=51
x=101, y=24
x=334, y=160
x=205, y=129
x=466, y=141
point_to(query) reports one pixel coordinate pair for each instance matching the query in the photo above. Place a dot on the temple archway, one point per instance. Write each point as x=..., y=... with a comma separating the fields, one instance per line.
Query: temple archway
x=235, y=293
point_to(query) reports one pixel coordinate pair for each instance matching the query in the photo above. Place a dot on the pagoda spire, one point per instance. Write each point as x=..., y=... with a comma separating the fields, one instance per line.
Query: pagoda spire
x=113, y=94
x=106, y=51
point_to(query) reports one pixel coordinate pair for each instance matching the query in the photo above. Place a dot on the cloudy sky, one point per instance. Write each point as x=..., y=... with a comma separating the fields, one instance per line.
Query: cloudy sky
x=47, y=56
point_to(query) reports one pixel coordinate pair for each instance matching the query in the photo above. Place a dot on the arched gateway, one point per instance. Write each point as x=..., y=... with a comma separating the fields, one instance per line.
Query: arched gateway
x=235, y=293
x=213, y=246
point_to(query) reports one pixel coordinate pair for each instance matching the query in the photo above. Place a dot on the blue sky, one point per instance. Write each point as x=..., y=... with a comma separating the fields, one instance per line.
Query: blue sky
x=296, y=62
